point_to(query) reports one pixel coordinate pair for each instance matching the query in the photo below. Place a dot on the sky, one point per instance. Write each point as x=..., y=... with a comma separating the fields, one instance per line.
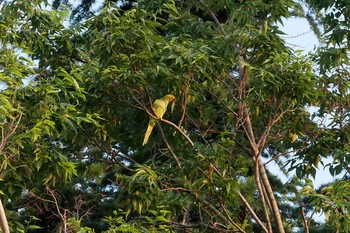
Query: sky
x=300, y=36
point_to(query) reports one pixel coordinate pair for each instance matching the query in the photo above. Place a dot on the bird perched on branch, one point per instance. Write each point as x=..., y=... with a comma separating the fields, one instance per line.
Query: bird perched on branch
x=159, y=108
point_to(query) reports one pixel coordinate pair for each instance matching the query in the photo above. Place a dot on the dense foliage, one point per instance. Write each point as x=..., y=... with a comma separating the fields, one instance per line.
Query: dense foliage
x=76, y=98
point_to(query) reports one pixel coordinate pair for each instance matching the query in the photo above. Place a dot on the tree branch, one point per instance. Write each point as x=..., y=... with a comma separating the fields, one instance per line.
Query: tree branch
x=213, y=17
x=220, y=215
x=252, y=212
x=183, y=105
x=271, y=196
x=3, y=220
x=109, y=152
x=306, y=226
x=169, y=147
x=229, y=217
x=261, y=195
x=4, y=139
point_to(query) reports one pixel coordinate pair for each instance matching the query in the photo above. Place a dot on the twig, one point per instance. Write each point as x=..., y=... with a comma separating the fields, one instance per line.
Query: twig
x=79, y=202
x=275, y=156
x=104, y=149
x=224, y=104
x=252, y=212
x=228, y=216
x=13, y=127
x=63, y=216
x=169, y=147
x=213, y=16
x=262, y=141
x=220, y=215
x=178, y=129
x=183, y=105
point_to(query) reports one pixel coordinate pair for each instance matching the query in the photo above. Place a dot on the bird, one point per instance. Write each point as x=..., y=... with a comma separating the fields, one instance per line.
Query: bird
x=159, y=108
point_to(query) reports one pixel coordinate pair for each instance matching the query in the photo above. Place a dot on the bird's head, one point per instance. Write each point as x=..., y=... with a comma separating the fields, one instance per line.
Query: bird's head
x=170, y=98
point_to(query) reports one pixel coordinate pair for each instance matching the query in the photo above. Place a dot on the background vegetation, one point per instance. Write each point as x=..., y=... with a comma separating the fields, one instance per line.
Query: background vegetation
x=77, y=84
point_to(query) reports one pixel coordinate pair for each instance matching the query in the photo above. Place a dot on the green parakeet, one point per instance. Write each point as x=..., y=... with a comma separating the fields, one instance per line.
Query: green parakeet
x=159, y=108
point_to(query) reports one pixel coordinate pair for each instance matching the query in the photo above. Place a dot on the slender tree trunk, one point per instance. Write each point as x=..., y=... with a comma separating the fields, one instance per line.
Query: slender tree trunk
x=262, y=172
x=262, y=197
x=3, y=219
x=306, y=223
x=275, y=210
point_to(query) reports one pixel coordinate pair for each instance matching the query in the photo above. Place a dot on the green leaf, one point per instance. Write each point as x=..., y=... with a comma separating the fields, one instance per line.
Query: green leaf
x=34, y=227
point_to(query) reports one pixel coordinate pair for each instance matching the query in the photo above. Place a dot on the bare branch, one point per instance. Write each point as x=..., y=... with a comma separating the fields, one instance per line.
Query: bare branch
x=13, y=127
x=228, y=216
x=3, y=220
x=183, y=105
x=306, y=226
x=252, y=212
x=104, y=149
x=220, y=215
x=169, y=147
x=213, y=16
x=4, y=139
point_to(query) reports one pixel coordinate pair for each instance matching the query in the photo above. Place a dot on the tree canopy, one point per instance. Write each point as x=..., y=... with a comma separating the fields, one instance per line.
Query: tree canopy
x=78, y=88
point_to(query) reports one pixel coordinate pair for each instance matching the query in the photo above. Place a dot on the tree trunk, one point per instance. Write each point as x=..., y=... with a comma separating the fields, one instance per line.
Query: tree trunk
x=275, y=210
x=3, y=219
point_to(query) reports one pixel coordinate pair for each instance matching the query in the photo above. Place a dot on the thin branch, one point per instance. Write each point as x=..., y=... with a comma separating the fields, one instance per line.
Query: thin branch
x=266, y=197
x=220, y=215
x=215, y=228
x=310, y=219
x=169, y=147
x=79, y=202
x=4, y=139
x=307, y=223
x=40, y=198
x=271, y=196
x=220, y=199
x=224, y=104
x=104, y=149
x=213, y=17
x=228, y=216
x=249, y=132
x=306, y=226
x=262, y=141
x=252, y=212
x=14, y=168
x=63, y=216
x=13, y=127
x=183, y=105
x=276, y=156
x=117, y=162
x=297, y=35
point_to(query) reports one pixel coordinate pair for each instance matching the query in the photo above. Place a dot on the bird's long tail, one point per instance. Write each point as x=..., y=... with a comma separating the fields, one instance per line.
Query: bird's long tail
x=148, y=132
